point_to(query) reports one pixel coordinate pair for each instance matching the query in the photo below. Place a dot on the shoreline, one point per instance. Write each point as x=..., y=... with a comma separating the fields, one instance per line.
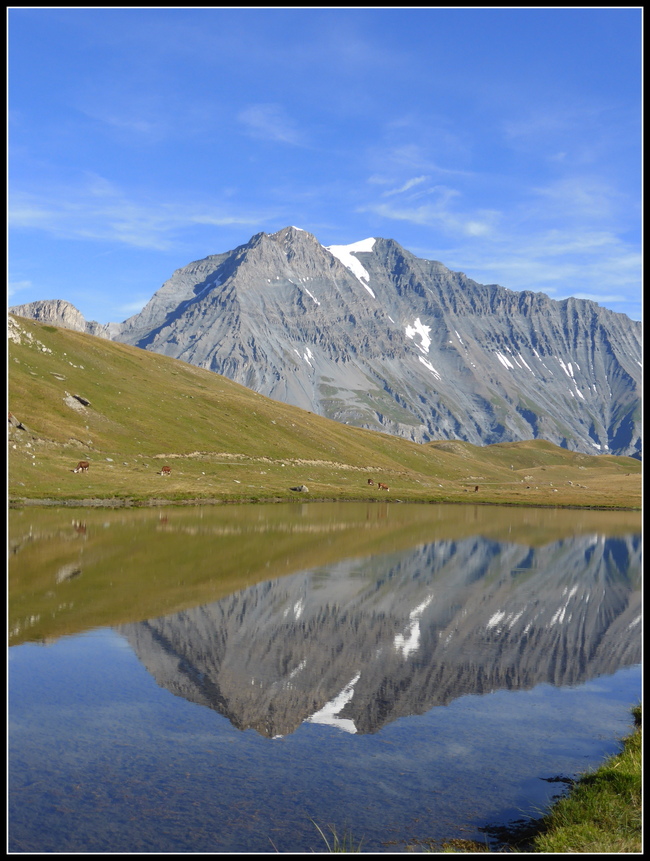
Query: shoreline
x=158, y=502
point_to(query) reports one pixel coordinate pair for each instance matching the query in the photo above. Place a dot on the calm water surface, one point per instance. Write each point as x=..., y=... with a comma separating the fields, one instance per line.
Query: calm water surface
x=227, y=680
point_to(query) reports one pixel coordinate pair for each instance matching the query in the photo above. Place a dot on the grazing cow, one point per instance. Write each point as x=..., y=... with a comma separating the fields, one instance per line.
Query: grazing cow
x=166, y=470
x=370, y=481
x=476, y=488
x=82, y=466
x=382, y=486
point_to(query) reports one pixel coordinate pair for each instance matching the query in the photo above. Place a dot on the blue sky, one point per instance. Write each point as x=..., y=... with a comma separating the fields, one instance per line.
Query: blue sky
x=505, y=143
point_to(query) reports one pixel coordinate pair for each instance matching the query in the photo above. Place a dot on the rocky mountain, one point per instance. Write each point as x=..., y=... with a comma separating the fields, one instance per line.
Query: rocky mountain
x=54, y=311
x=58, y=312
x=373, y=336
x=364, y=642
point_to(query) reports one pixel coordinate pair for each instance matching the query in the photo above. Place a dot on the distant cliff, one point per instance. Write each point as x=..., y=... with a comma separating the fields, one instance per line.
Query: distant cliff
x=58, y=312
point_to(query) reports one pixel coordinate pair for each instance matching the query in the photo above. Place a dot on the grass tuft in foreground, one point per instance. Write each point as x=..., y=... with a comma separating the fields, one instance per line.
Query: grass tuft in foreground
x=336, y=843
x=602, y=812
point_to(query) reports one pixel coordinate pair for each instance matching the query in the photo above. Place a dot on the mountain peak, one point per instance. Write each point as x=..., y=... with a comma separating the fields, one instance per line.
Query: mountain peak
x=291, y=234
x=288, y=231
x=370, y=335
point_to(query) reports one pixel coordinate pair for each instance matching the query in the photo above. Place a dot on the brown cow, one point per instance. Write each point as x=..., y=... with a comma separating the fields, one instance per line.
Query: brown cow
x=370, y=481
x=476, y=488
x=382, y=486
x=166, y=470
x=82, y=466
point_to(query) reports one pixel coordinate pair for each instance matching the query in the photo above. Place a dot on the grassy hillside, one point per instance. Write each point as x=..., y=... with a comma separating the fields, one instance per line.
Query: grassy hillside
x=128, y=412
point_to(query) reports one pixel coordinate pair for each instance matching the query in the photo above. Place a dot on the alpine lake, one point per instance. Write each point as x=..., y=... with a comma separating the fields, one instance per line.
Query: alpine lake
x=280, y=677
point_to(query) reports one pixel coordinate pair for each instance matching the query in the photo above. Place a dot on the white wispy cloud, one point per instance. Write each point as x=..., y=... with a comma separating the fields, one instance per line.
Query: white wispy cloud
x=439, y=214
x=589, y=198
x=407, y=186
x=132, y=125
x=98, y=210
x=600, y=298
x=538, y=125
x=581, y=265
x=14, y=287
x=134, y=307
x=270, y=122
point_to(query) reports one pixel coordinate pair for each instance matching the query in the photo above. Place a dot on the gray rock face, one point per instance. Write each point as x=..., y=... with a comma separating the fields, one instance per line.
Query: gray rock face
x=58, y=312
x=372, y=336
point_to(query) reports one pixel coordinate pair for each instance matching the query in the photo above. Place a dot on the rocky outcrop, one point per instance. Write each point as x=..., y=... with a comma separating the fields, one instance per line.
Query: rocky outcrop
x=58, y=312
x=16, y=423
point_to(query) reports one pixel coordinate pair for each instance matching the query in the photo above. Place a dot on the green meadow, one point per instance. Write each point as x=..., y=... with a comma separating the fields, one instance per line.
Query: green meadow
x=128, y=412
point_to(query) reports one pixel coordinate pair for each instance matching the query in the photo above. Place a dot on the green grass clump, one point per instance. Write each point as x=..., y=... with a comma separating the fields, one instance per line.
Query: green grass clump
x=602, y=813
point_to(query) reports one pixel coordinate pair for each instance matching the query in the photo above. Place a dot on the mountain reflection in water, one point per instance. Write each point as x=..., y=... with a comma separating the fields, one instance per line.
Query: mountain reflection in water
x=363, y=642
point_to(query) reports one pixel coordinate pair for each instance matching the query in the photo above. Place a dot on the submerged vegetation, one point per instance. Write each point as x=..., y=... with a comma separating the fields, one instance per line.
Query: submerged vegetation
x=129, y=412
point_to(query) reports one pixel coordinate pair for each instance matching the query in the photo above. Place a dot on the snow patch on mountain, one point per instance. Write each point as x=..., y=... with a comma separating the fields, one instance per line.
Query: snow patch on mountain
x=428, y=365
x=418, y=328
x=345, y=253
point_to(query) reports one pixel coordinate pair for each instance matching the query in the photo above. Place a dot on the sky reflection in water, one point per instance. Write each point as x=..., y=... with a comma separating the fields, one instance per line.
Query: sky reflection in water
x=236, y=725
